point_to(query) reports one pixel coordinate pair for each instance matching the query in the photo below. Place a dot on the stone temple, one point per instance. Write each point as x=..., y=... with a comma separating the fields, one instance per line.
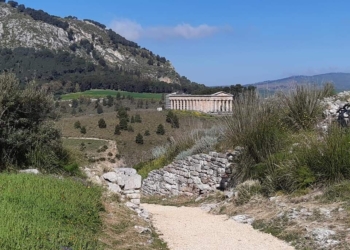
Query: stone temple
x=220, y=102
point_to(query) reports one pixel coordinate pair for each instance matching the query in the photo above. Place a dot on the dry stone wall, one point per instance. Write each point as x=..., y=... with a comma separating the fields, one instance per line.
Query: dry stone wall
x=197, y=174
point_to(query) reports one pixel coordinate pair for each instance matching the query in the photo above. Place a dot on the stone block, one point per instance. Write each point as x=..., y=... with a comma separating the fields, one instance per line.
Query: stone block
x=125, y=171
x=30, y=171
x=110, y=176
x=133, y=182
x=114, y=188
x=135, y=201
x=194, y=173
x=133, y=196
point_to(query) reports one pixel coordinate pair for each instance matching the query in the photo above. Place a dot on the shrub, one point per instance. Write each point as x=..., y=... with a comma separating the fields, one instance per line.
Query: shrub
x=147, y=133
x=102, y=123
x=83, y=130
x=110, y=154
x=139, y=139
x=130, y=128
x=303, y=105
x=27, y=134
x=160, y=130
x=99, y=109
x=138, y=118
x=328, y=157
x=77, y=124
x=117, y=130
x=123, y=124
x=246, y=191
x=132, y=120
x=255, y=125
x=172, y=119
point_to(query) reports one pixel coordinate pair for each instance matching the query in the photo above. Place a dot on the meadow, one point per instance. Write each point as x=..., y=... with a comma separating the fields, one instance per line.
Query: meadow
x=98, y=93
x=45, y=212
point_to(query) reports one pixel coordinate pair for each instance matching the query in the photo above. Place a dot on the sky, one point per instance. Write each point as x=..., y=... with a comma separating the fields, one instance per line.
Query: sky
x=225, y=42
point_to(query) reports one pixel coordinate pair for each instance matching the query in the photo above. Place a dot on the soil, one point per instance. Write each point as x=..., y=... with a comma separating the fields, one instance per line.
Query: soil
x=185, y=228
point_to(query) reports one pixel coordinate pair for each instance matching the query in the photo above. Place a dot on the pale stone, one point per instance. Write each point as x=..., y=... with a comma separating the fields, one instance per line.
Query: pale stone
x=133, y=182
x=110, y=176
x=30, y=171
x=114, y=188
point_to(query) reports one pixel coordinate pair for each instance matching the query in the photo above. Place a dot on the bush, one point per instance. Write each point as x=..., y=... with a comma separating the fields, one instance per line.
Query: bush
x=117, y=130
x=139, y=139
x=130, y=128
x=83, y=130
x=303, y=105
x=328, y=157
x=123, y=124
x=102, y=123
x=160, y=130
x=246, y=191
x=147, y=133
x=255, y=125
x=99, y=109
x=28, y=137
x=77, y=124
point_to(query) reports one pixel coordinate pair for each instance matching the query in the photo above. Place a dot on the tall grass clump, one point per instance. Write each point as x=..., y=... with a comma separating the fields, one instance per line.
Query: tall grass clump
x=329, y=156
x=302, y=105
x=42, y=212
x=255, y=125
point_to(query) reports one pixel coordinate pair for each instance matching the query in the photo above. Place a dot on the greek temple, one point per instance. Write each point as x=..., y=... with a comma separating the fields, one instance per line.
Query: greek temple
x=216, y=103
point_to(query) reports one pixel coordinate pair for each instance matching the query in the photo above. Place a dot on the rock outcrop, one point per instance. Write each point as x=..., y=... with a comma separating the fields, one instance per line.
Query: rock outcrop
x=197, y=174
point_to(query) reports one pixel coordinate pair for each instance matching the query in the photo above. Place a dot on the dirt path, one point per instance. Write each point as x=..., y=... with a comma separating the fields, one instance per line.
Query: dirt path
x=190, y=228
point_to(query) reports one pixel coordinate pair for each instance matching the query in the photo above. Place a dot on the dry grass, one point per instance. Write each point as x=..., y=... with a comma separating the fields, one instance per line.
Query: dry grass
x=132, y=152
x=119, y=229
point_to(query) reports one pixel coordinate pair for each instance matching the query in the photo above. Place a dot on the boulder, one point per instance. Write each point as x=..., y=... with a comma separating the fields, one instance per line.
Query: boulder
x=114, y=188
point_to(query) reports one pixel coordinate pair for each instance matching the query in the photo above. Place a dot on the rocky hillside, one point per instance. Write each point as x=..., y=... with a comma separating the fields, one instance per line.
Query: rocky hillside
x=35, y=44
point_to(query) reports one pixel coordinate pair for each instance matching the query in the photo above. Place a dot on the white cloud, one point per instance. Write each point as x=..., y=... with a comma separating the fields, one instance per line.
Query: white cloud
x=134, y=31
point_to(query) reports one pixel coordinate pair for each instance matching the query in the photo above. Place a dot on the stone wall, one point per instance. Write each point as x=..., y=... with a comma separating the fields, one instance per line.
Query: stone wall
x=196, y=174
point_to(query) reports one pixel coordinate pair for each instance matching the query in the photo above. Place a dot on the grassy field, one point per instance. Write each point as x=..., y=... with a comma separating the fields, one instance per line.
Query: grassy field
x=97, y=93
x=42, y=212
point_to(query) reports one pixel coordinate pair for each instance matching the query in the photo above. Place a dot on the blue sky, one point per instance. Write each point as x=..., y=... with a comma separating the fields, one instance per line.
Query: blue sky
x=226, y=42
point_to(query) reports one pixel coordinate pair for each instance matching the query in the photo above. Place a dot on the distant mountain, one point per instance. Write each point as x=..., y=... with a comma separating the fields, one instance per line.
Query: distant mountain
x=341, y=82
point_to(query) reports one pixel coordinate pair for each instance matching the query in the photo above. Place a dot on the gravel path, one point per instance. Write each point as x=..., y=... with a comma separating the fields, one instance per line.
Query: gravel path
x=190, y=228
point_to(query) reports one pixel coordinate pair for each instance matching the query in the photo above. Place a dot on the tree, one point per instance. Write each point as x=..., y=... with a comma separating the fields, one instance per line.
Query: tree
x=75, y=103
x=117, y=130
x=147, y=133
x=123, y=124
x=130, y=128
x=99, y=109
x=138, y=118
x=160, y=130
x=172, y=119
x=83, y=130
x=102, y=123
x=28, y=135
x=13, y=4
x=132, y=120
x=139, y=139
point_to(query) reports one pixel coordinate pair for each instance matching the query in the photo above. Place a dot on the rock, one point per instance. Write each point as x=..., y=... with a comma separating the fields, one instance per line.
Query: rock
x=322, y=234
x=208, y=207
x=30, y=171
x=228, y=194
x=142, y=230
x=135, y=201
x=133, y=182
x=244, y=219
x=125, y=171
x=114, y=188
x=133, y=196
x=131, y=205
x=110, y=176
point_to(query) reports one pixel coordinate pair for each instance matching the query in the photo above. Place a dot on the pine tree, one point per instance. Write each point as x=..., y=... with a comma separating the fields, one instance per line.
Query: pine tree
x=139, y=139
x=138, y=118
x=83, y=130
x=77, y=124
x=123, y=124
x=132, y=119
x=117, y=130
x=99, y=109
x=160, y=130
x=102, y=123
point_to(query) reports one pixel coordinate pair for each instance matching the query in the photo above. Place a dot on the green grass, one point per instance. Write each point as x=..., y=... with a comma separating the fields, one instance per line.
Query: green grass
x=96, y=93
x=43, y=212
